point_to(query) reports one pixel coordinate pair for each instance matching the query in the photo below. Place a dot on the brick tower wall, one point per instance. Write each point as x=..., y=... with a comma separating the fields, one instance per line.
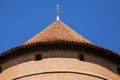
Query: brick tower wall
x=60, y=65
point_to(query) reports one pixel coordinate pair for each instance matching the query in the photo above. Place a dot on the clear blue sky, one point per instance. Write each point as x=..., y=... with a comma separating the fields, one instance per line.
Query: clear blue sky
x=96, y=20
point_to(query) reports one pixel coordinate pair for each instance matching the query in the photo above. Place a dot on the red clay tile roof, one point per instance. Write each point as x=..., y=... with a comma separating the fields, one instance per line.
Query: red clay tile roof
x=57, y=31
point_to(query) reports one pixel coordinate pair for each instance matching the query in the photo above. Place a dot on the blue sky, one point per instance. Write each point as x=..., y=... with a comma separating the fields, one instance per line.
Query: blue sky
x=96, y=20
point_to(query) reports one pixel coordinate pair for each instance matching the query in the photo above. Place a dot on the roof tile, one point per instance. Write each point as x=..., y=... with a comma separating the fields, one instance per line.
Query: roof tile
x=57, y=31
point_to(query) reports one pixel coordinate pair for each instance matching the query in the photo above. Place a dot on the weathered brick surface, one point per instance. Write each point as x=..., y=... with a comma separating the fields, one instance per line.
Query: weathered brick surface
x=60, y=76
x=60, y=53
x=58, y=60
x=57, y=65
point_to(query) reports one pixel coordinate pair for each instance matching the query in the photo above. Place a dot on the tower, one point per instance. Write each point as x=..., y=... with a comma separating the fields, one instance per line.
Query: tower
x=59, y=53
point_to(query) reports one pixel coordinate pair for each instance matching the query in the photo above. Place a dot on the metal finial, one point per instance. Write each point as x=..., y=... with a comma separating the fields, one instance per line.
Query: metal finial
x=58, y=12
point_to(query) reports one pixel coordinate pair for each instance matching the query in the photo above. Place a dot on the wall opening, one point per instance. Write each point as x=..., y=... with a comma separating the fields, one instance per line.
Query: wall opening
x=118, y=69
x=38, y=57
x=81, y=57
x=0, y=69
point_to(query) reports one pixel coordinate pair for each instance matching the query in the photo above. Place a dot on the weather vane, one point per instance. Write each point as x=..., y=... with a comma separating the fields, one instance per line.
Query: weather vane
x=58, y=12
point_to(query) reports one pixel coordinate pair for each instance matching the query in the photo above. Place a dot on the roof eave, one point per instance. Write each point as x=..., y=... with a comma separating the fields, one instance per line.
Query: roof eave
x=107, y=51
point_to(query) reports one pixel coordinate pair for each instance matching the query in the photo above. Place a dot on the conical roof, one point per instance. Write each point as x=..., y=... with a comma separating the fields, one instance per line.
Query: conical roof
x=57, y=31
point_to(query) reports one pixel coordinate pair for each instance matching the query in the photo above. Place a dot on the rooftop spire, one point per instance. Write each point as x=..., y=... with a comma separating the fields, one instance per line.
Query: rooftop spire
x=58, y=12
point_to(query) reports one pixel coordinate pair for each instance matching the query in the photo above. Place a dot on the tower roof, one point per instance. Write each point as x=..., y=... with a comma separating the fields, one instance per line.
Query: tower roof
x=58, y=31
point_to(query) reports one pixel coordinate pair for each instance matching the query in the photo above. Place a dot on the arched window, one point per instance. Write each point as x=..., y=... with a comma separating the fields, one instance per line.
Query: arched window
x=81, y=57
x=38, y=57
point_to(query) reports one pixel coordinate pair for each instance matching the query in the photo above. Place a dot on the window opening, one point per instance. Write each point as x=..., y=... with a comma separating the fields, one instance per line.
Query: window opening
x=81, y=57
x=38, y=57
x=118, y=69
x=0, y=69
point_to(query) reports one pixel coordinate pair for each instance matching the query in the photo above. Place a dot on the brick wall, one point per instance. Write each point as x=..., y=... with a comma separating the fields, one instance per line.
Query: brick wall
x=60, y=53
x=54, y=68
